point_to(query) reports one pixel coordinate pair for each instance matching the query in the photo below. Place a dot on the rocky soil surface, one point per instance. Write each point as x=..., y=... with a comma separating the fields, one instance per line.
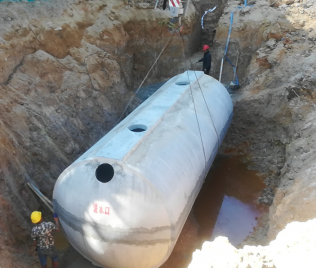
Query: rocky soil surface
x=274, y=127
x=68, y=68
x=275, y=108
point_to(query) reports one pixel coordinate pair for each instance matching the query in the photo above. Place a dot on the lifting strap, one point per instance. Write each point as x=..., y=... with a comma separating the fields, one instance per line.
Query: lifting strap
x=200, y=88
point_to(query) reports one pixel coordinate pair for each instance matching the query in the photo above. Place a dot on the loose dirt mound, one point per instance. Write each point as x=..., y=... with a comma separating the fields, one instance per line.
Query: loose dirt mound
x=294, y=247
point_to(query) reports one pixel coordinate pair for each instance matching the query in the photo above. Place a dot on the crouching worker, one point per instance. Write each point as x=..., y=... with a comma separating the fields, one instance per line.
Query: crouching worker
x=42, y=235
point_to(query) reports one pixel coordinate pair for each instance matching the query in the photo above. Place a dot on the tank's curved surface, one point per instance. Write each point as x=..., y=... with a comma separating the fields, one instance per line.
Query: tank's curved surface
x=124, y=202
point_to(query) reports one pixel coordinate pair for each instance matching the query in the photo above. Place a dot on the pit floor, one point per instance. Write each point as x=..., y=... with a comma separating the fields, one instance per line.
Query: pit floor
x=225, y=206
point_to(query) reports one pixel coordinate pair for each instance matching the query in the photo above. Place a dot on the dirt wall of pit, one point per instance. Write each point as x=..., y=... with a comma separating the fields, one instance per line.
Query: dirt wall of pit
x=274, y=121
x=68, y=69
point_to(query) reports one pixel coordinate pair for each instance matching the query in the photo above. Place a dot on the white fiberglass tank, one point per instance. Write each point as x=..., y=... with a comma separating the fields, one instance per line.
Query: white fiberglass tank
x=124, y=202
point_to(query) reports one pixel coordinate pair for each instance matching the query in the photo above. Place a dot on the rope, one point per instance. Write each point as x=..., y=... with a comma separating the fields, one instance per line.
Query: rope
x=128, y=104
x=198, y=123
x=197, y=120
x=183, y=47
x=208, y=112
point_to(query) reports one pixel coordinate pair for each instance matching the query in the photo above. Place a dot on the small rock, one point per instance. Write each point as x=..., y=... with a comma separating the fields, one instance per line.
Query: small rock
x=271, y=43
x=244, y=11
x=58, y=28
x=309, y=4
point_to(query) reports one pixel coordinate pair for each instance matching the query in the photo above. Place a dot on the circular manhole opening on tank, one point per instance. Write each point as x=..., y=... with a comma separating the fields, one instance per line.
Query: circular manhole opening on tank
x=104, y=173
x=137, y=128
x=182, y=83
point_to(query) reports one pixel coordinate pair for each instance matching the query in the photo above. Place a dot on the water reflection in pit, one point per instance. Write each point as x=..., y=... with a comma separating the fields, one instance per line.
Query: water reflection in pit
x=225, y=206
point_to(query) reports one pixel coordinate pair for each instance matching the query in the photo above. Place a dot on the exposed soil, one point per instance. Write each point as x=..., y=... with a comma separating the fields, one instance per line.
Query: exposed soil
x=67, y=71
x=274, y=125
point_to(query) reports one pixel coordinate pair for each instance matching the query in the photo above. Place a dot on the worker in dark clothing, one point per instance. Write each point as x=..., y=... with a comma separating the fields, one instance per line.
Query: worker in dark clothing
x=207, y=58
x=42, y=235
x=164, y=6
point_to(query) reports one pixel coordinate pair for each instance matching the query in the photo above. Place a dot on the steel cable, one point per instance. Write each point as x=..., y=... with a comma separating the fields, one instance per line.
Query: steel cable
x=218, y=142
x=134, y=95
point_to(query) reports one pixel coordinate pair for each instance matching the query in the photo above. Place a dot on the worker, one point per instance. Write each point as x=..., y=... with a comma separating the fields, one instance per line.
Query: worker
x=164, y=6
x=42, y=235
x=207, y=58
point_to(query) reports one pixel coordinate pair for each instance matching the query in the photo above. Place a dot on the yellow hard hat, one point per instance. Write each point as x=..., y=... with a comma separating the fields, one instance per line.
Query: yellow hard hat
x=36, y=216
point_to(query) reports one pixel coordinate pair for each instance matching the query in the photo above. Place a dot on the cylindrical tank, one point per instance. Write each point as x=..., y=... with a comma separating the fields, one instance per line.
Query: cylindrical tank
x=123, y=203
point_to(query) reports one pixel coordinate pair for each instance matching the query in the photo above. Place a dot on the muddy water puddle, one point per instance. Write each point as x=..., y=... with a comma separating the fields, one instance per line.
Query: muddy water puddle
x=225, y=206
